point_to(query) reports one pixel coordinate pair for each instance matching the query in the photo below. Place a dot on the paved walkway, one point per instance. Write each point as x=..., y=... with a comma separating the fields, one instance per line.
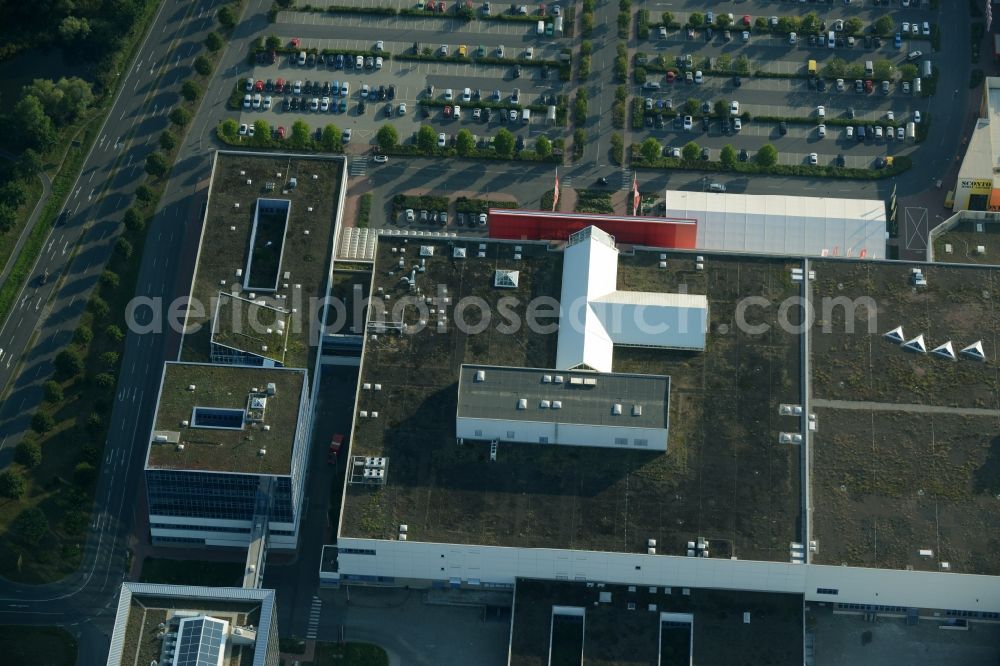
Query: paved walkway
x=32, y=220
x=864, y=405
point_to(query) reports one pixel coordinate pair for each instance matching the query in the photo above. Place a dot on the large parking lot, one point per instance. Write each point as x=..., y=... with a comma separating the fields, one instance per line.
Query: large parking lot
x=797, y=99
x=417, y=80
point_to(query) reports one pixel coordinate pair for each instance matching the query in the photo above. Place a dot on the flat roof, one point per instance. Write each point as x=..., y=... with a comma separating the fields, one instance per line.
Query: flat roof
x=253, y=327
x=497, y=395
x=142, y=607
x=783, y=225
x=226, y=235
x=625, y=629
x=225, y=449
x=723, y=416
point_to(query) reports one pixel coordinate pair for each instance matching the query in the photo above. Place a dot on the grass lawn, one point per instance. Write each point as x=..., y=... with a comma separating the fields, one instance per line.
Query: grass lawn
x=38, y=646
x=191, y=572
x=356, y=654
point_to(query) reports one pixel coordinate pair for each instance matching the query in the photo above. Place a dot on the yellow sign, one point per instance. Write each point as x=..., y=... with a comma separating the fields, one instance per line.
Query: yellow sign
x=977, y=185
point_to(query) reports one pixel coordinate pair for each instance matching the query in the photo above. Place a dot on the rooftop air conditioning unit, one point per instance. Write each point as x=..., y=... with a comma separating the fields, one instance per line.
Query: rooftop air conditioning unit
x=180, y=447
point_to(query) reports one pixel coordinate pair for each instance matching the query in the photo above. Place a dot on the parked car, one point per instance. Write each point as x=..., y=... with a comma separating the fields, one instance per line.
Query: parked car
x=442, y=140
x=813, y=158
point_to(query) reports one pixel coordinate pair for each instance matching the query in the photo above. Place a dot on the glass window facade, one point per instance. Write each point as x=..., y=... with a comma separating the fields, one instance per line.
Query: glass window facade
x=214, y=495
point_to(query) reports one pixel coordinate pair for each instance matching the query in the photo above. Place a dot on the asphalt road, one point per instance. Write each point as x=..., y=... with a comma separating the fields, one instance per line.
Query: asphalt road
x=47, y=313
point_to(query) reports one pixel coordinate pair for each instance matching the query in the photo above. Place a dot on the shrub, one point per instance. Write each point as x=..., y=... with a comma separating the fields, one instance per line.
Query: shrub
x=42, y=422
x=180, y=117
x=639, y=75
x=767, y=155
x=95, y=422
x=190, y=90
x=109, y=359
x=213, y=42
x=227, y=17
x=203, y=65
x=84, y=473
x=28, y=453
x=123, y=248
x=98, y=307
x=617, y=148
x=53, y=391
x=105, y=380
x=145, y=193
x=167, y=140
x=156, y=164
x=133, y=219
x=114, y=333
x=12, y=484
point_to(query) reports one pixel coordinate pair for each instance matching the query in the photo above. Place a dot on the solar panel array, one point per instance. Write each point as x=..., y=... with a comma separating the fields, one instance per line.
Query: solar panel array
x=201, y=642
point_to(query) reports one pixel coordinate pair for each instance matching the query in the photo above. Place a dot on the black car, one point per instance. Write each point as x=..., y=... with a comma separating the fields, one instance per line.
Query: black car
x=708, y=34
x=545, y=71
x=326, y=88
x=840, y=160
x=391, y=93
x=705, y=107
x=737, y=81
x=520, y=143
x=287, y=88
x=820, y=85
x=678, y=123
x=783, y=128
x=477, y=94
x=811, y=82
x=649, y=121
x=388, y=110
x=704, y=153
x=877, y=42
x=744, y=155
x=285, y=104
x=269, y=86
x=320, y=60
x=725, y=125
x=602, y=181
x=349, y=62
x=659, y=122
x=293, y=103
x=361, y=106
x=705, y=123
x=812, y=40
x=311, y=60
x=517, y=71
x=381, y=93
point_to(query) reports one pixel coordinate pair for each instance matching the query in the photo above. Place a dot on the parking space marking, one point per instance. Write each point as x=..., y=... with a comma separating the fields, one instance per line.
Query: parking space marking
x=915, y=228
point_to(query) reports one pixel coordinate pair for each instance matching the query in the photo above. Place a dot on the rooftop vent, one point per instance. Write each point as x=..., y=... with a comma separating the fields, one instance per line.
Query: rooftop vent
x=480, y=375
x=557, y=404
x=191, y=387
x=616, y=409
x=180, y=447
x=272, y=388
x=546, y=379
x=636, y=410
x=262, y=452
x=543, y=404
x=522, y=403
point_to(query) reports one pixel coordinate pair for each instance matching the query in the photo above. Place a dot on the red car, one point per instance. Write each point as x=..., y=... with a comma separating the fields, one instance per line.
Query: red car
x=336, y=441
x=441, y=7
x=746, y=20
x=279, y=85
x=670, y=77
x=259, y=86
x=281, y=132
x=868, y=85
x=541, y=10
x=447, y=112
x=295, y=42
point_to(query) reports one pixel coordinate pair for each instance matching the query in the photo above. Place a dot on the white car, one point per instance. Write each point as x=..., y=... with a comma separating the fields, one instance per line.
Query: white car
x=401, y=109
x=900, y=133
x=380, y=45
x=878, y=132
x=813, y=158
x=449, y=94
x=688, y=123
x=840, y=85
x=467, y=95
x=821, y=111
x=246, y=101
x=456, y=112
x=359, y=62
x=250, y=85
x=698, y=77
x=512, y=115
x=314, y=104
x=850, y=131
x=443, y=50
x=906, y=27
x=792, y=38
x=734, y=108
x=251, y=131
x=410, y=215
x=378, y=62
x=500, y=51
x=364, y=90
x=267, y=103
x=297, y=88
x=243, y=129
x=915, y=29
x=380, y=159
x=345, y=89
x=256, y=101
x=482, y=218
x=556, y=10
x=746, y=36
x=529, y=53
x=916, y=116
x=737, y=124
x=890, y=115
x=324, y=104
x=442, y=140
x=822, y=131
x=346, y=136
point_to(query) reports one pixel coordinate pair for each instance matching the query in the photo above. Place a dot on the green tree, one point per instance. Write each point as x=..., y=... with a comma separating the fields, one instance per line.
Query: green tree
x=63, y=100
x=464, y=143
x=543, y=147
x=300, y=135
x=667, y=18
x=650, y=150
x=104, y=380
x=156, y=164
x=213, y=42
x=387, y=137
x=190, y=90
x=68, y=363
x=639, y=75
x=8, y=217
x=133, y=220
x=908, y=72
x=53, y=391
x=722, y=21
x=13, y=193
x=587, y=23
x=31, y=126
x=690, y=151
x=31, y=525
x=273, y=42
x=767, y=155
x=696, y=20
x=227, y=17
x=742, y=65
x=426, y=139
x=167, y=140
x=332, y=139
x=98, y=307
x=229, y=129
x=83, y=335
x=95, y=423
x=180, y=117
x=882, y=70
x=114, y=333
x=28, y=453
x=883, y=25
x=12, y=484
x=203, y=65
x=504, y=143
x=145, y=193
x=262, y=132
x=728, y=156
x=110, y=279
x=73, y=29
x=42, y=422
x=123, y=248
x=721, y=109
x=691, y=106
x=84, y=474
x=809, y=24
x=854, y=26
x=786, y=24
x=29, y=164
x=835, y=68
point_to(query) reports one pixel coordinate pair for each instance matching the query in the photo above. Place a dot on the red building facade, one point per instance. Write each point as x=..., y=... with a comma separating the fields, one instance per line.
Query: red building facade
x=541, y=225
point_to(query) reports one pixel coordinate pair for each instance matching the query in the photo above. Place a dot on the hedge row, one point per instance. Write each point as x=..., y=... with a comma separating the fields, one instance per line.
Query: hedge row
x=900, y=164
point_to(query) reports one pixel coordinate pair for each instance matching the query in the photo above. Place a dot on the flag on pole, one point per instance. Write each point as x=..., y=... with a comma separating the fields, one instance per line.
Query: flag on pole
x=555, y=192
x=635, y=194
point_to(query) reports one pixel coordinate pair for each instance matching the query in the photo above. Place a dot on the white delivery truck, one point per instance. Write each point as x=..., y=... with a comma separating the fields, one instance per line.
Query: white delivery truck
x=525, y=115
x=559, y=24
x=550, y=115
x=540, y=30
x=911, y=130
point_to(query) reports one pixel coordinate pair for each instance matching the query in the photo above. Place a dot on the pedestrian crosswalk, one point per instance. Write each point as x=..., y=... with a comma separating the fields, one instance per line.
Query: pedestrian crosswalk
x=626, y=179
x=314, y=612
x=359, y=165
x=567, y=181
